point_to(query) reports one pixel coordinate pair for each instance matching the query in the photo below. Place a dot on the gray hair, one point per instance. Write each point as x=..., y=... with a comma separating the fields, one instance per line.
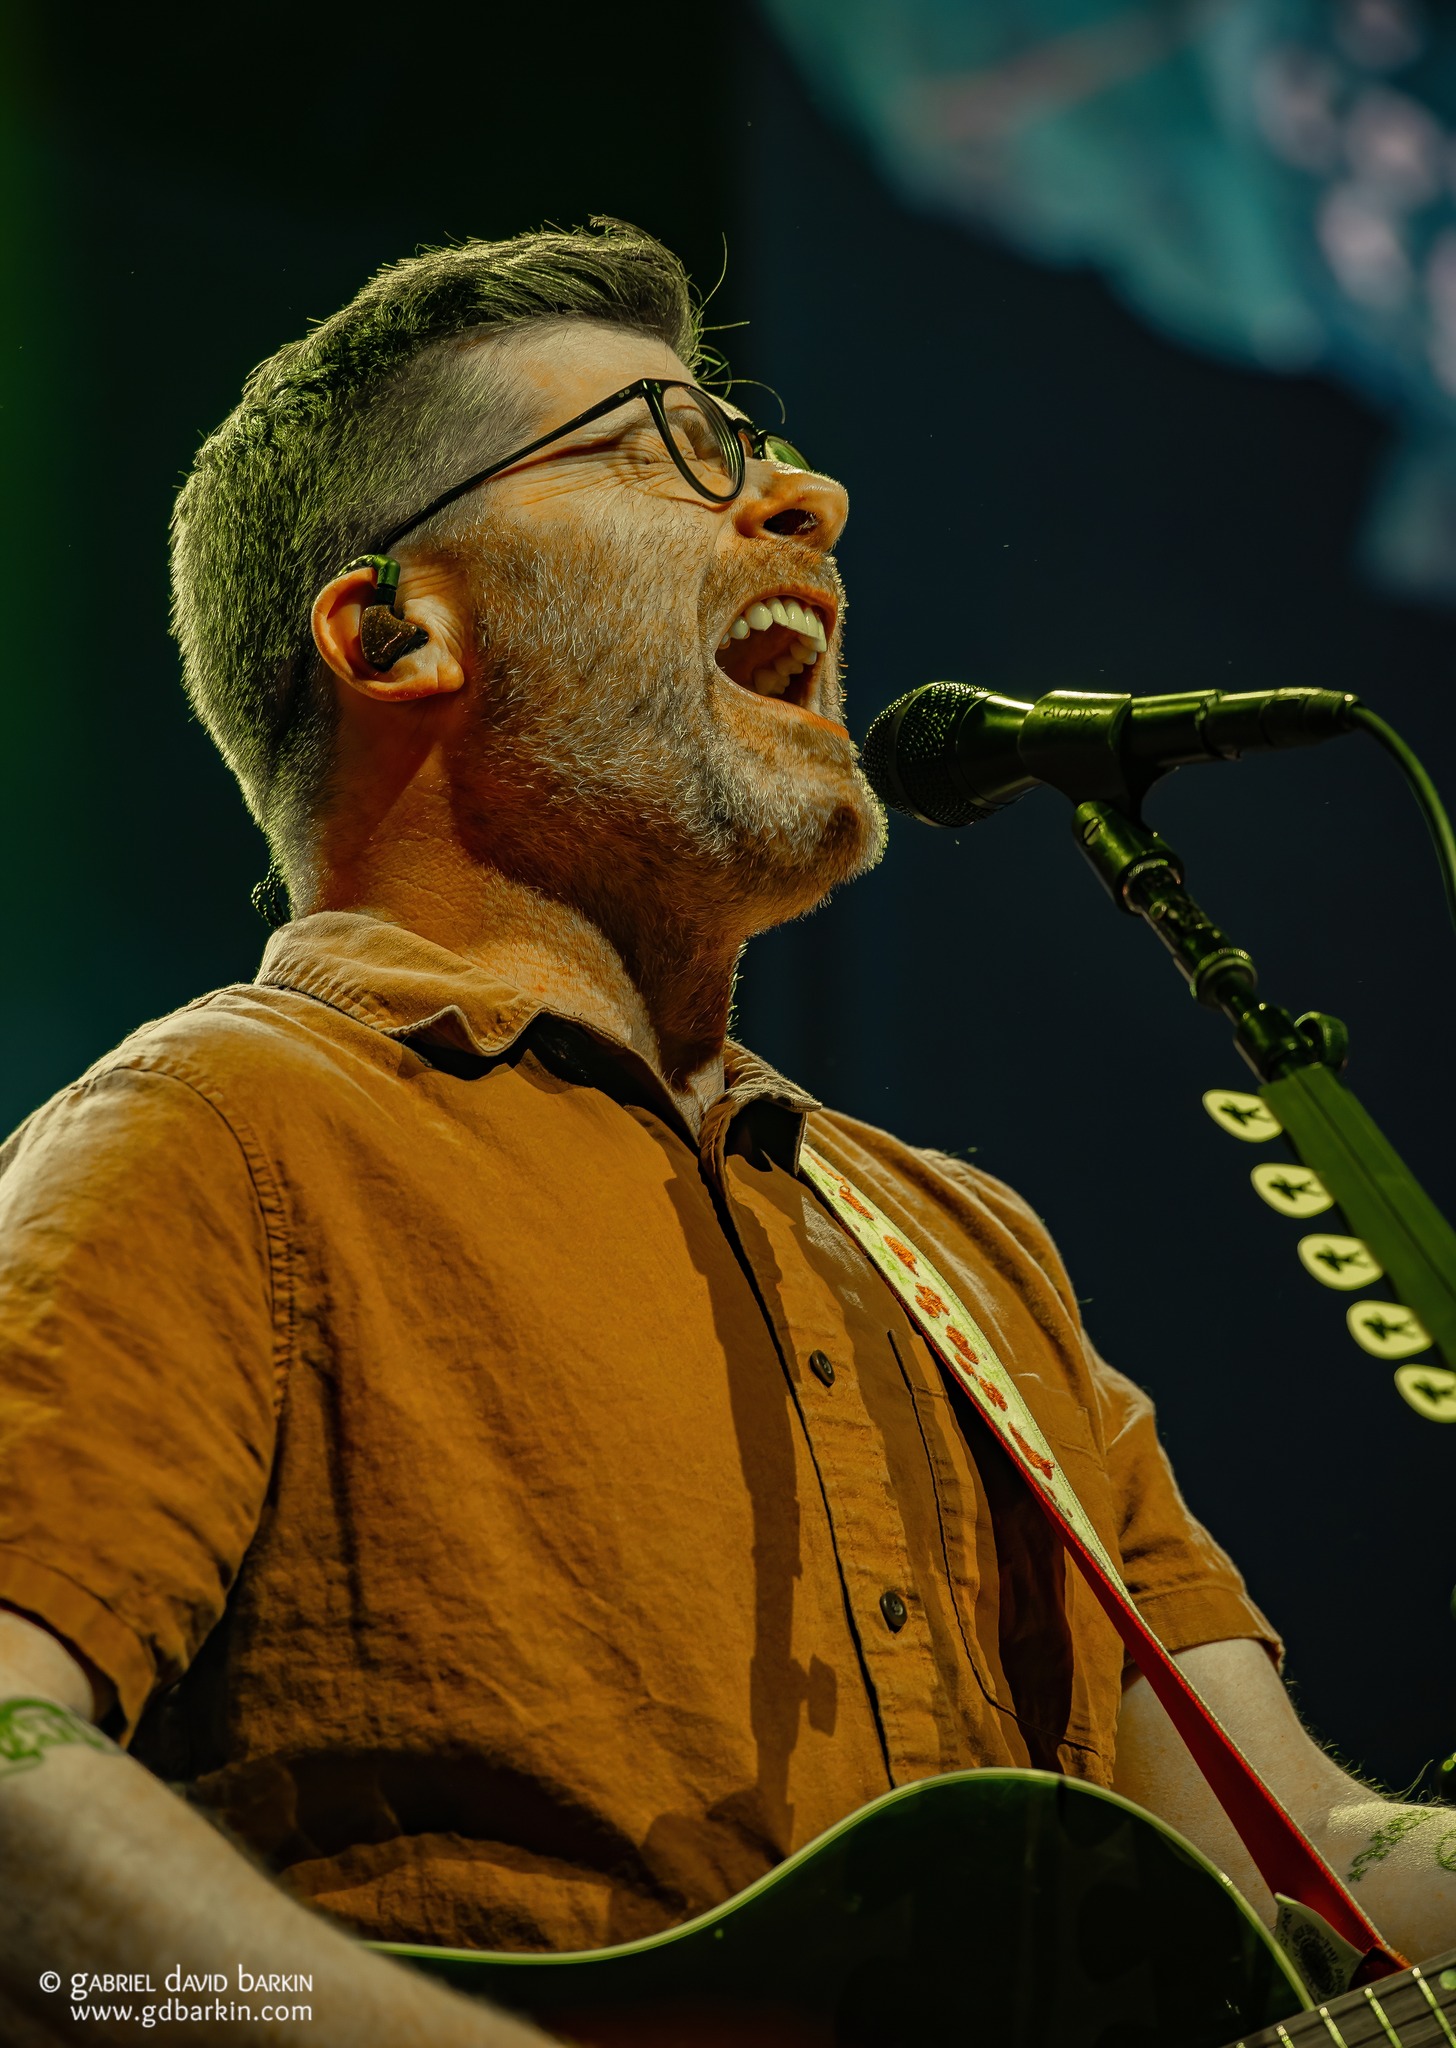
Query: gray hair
x=338, y=436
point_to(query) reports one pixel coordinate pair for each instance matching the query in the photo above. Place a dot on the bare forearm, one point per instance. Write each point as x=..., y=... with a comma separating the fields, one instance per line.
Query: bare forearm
x=1399, y=1861
x=103, y=1871
x=1400, y=1864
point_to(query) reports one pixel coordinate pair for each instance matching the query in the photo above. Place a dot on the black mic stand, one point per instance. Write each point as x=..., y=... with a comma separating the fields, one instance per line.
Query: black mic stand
x=1297, y=1061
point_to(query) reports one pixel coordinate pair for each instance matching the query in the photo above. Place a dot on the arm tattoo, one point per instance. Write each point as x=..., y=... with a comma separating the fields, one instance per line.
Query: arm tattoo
x=28, y=1728
x=1388, y=1834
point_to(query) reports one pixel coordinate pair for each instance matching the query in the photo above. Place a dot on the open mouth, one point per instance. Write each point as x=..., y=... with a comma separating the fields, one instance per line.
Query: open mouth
x=773, y=644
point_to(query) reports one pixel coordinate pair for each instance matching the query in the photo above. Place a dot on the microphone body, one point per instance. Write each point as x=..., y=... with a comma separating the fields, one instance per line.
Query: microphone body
x=950, y=754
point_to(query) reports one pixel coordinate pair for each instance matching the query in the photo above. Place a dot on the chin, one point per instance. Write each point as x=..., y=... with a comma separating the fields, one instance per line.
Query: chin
x=818, y=849
x=854, y=834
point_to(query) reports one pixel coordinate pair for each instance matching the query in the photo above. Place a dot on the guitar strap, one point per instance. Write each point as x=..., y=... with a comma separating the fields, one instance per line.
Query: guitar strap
x=1286, y=1859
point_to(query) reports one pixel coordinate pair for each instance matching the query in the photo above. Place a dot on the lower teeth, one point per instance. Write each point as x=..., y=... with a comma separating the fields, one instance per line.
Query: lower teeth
x=772, y=680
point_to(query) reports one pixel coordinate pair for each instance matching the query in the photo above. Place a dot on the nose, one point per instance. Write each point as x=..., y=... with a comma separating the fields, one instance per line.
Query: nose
x=790, y=503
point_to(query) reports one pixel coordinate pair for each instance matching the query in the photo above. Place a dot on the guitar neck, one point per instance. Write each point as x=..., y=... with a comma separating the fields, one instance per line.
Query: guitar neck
x=1416, y=2009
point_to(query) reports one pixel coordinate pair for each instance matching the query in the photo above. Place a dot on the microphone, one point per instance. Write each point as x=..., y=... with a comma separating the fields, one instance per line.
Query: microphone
x=950, y=754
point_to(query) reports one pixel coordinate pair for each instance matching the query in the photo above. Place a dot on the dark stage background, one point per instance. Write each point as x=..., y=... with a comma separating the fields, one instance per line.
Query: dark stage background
x=1045, y=495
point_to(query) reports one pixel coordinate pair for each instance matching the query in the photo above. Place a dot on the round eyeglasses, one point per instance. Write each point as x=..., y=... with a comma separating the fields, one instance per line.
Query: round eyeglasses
x=708, y=445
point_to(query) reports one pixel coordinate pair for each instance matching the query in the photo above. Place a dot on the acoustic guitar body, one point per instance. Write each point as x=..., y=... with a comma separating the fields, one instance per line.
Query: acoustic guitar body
x=983, y=1909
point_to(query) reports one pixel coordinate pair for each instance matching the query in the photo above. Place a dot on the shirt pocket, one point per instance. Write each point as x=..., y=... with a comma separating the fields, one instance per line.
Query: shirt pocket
x=1067, y=1428
x=1098, y=1655
x=1050, y=1600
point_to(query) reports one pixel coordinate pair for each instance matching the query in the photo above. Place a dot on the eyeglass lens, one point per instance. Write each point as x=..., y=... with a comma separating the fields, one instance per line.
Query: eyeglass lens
x=777, y=449
x=707, y=442
x=702, y=442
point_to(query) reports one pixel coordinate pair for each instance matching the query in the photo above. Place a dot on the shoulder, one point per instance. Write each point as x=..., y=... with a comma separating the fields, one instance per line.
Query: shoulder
x=946, y=1196
x=232, y=1040
x=184, y=1094
x=997, y=1225
x=235, y=1049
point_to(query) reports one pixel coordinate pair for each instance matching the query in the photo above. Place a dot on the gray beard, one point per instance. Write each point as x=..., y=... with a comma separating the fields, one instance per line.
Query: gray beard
x=608, y=720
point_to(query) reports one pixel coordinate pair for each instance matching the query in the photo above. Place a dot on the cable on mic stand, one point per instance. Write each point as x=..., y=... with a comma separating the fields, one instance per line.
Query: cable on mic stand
x=953, y=755
x=1424, y=791
x=1297, y=1060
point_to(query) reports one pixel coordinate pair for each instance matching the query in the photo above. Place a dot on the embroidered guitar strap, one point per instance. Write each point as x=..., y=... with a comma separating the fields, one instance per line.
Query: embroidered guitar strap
x=1286, y=1859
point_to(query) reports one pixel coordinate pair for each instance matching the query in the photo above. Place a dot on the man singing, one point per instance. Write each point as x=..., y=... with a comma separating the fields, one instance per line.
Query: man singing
x=456, y=1475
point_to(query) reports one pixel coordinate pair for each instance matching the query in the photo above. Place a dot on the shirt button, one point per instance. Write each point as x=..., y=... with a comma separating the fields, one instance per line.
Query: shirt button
x=822, y=1367
x=895, y=1611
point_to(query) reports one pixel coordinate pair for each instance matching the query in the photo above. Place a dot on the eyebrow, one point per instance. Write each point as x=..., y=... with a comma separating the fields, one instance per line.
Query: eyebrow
x=620, y=416
x=606, y=409
x=609, y=424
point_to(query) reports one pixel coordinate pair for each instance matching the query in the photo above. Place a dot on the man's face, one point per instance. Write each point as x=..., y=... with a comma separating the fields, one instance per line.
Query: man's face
x=616, y=703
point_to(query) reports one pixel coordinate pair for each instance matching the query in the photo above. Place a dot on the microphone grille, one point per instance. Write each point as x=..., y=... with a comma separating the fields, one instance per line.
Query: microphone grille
x=907, y=755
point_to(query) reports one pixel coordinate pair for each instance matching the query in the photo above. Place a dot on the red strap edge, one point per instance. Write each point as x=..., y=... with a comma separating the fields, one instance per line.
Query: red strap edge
x=1283, y=1854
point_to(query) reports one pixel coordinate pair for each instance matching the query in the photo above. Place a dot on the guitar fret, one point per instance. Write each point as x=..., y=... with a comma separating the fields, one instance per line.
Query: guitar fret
x=1379, y=2011
x=1412, y=2015
x=1310, y=2029
x=1430, y=1998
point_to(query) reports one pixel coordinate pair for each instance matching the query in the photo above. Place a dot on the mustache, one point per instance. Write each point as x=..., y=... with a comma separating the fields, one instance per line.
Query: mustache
x=778, y=561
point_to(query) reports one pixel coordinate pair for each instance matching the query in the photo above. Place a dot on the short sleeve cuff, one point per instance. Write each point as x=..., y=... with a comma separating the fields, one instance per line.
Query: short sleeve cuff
x=1183, y=1617
x=85, y=1625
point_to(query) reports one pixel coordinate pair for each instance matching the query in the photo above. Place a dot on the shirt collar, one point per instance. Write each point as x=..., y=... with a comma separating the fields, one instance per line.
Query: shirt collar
x=395, y=982
x=407, y=987
x=768, y=1110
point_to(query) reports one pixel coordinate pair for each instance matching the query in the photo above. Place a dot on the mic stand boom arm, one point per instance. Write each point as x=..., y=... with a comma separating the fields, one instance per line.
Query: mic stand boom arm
x=1297, y=1061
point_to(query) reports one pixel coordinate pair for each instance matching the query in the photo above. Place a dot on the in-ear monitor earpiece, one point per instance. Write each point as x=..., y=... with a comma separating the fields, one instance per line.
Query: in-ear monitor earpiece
x=385, y=634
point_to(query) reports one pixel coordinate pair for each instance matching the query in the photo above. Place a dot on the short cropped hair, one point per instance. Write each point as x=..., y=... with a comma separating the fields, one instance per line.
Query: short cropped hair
x=343, y=433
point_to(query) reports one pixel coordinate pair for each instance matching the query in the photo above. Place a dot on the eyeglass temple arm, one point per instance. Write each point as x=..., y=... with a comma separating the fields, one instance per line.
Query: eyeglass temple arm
x=482, y=476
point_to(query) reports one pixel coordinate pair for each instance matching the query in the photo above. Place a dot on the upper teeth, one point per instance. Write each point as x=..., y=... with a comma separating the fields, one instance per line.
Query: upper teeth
x=808, y=644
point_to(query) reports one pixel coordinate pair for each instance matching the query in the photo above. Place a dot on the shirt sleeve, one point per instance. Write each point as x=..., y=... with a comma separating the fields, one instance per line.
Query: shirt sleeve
x=138, y=1372
x=1186, y=1586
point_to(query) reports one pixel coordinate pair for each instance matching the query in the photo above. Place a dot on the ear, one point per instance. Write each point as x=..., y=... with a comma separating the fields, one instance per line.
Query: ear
x=430, y=670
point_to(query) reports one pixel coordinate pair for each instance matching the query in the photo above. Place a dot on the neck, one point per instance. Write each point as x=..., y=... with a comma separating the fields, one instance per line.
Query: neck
x=656, y=985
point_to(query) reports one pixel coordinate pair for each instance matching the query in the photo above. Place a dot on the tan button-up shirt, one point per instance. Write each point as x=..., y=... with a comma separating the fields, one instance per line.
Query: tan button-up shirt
x=427, y=1438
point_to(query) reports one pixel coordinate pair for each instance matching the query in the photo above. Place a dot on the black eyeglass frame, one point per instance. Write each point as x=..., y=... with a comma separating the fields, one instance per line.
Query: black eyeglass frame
x=731, y=432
